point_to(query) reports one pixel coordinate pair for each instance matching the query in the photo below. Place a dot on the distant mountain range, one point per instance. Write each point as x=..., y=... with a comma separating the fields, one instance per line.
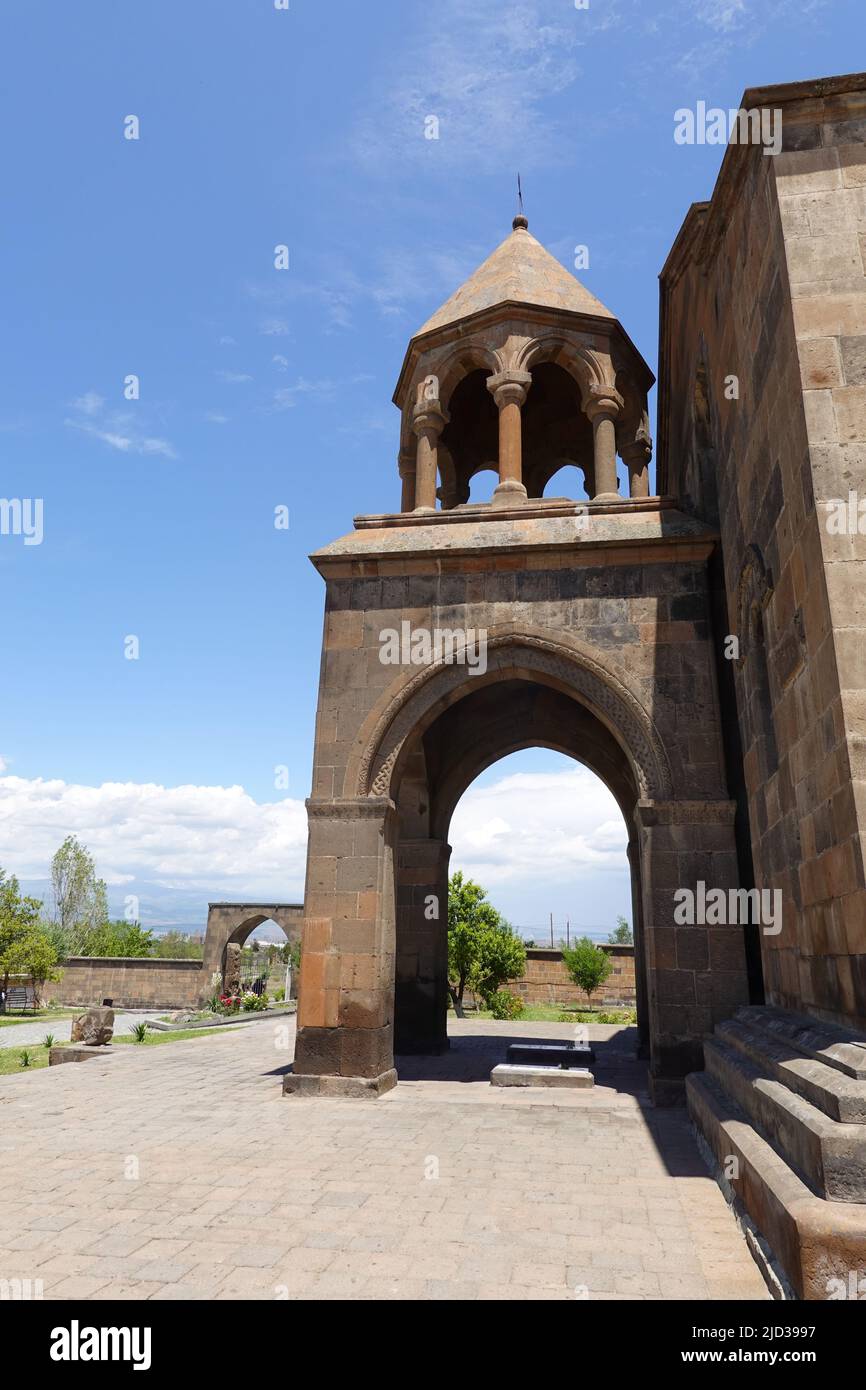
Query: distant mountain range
x=160, y=908
x=165, y=909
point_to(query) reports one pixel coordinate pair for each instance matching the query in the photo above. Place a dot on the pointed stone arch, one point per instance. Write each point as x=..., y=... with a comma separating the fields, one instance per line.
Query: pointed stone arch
x=561, y=661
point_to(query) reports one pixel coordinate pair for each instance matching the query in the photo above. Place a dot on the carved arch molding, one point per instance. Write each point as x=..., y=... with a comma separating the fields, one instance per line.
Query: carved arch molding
x=414, y=706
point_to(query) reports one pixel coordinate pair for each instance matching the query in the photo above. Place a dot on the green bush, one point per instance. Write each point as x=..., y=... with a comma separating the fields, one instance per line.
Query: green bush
x=25, y=1059
x=254, y=1003
x=503, y=1004
x=48, y=1040
x=139, y=1032
x=587, y=964
x=279, y=995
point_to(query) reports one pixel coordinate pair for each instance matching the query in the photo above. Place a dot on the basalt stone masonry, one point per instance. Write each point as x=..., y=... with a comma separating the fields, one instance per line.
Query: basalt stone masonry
x=701, y=649
x=762, y=430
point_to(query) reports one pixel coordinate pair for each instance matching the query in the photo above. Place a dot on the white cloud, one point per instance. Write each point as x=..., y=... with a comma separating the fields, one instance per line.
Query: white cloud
x=536, y=841
x=485, y=73
x=118, y=429
x=274, y=328
x=215, y=418
x=214, y=839
x=234, y=378
x=89, y=404
x=126, y=443
x=286, y=398
x=543, y=828
x=721, y=14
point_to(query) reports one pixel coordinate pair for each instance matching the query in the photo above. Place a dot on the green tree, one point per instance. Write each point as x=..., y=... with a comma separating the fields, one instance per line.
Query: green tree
x=19, y=917
x=176, y=945
x=80, y=899
x=32, y=954
x=118, y=938
x=587, y=964
x=622, y=935
x=483, y=951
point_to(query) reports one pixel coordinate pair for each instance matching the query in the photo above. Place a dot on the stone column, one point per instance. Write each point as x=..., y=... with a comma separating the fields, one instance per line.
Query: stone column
x=602, y=408
x=406, y=468
x=346, y=988
x=640, y=966
x=696, y=971
x=421, y=994
x=636, y=457
x=509, y=392
x=428, y=422
x=232, y=968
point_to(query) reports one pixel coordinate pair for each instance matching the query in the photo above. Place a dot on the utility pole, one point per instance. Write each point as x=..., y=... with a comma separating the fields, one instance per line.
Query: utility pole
x=551, y=931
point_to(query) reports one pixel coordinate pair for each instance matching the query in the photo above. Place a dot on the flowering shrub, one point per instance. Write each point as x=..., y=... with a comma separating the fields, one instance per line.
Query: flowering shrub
x=254, y=1003
x=229, y=1004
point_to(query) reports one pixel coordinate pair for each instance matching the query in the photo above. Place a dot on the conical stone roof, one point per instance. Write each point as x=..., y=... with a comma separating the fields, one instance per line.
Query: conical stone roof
x=520, y=270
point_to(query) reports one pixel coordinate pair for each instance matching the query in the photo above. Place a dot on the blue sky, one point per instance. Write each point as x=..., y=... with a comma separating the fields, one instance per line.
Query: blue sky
x=261, y=387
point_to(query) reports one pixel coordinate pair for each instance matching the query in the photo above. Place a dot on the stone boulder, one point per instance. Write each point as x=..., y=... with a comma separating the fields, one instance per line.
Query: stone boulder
x=95, y=1027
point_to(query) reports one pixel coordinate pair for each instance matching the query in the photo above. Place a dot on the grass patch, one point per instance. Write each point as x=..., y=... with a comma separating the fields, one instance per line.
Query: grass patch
x=10, y=1059
x=159, y=1039
x=559, y=1013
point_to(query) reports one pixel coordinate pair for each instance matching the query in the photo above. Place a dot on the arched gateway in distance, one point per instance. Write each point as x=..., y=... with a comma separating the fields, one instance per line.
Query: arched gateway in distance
x=457, y=634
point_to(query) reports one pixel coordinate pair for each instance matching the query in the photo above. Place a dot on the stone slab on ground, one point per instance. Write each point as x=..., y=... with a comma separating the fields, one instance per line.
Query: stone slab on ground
x=524, y=1074
x=78, y=1052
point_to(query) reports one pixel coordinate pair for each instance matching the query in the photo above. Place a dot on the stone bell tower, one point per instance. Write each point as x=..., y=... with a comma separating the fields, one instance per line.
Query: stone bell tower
x=544, y=620
x=519, y=310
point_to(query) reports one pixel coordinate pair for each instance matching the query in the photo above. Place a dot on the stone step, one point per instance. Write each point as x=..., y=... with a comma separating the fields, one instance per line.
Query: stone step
x=838, y=1095
x=562, y=1078
x=840, y=1048
x=829, y=1156
x=815, y=1241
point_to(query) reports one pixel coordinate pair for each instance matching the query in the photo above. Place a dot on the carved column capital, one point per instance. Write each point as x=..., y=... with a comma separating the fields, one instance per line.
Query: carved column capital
x=509, y=387
x=429, y=418
x=636, y=456
x=603, y=402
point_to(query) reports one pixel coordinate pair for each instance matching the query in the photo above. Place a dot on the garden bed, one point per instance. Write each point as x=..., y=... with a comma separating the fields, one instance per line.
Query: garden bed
x=161, y=1025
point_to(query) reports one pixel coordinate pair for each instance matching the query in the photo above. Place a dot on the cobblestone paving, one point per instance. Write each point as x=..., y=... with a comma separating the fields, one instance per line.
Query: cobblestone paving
x=182, y=1172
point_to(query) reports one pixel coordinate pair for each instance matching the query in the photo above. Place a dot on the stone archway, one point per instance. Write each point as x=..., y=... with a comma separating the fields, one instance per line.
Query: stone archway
x=229, y=923
x=375, y=975
x=439, y=731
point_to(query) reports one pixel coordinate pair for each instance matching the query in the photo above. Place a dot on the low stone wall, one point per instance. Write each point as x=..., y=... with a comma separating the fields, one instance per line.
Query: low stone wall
x=131, y=982
x=546, y=980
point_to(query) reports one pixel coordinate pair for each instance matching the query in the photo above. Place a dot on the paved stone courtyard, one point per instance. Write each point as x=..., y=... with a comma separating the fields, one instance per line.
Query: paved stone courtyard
x=182, y=1172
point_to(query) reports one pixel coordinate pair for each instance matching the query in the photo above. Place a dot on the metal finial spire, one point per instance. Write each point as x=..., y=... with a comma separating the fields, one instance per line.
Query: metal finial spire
x=520, y=220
